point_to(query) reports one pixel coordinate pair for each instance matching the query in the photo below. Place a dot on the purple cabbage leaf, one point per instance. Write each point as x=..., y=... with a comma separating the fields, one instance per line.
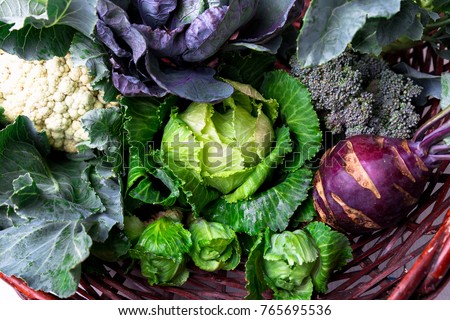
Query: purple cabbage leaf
x=168, y=47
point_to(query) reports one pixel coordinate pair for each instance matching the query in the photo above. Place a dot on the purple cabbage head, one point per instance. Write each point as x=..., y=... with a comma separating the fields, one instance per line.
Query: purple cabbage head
x=164, y=46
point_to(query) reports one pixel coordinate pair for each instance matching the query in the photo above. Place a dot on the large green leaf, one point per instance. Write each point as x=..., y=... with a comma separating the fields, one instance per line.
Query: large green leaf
x=34, y=29
x=254, y=273
x=144, y=117
x=271, y=208
x=148, y=181
x=297, y=113
x=46, y=254
x=330, y=25
x=334, y=253
x=52, y=208
x=380, y=32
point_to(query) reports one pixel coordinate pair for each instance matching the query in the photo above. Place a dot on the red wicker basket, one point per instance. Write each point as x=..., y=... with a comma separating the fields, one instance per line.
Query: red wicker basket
x=411, y=260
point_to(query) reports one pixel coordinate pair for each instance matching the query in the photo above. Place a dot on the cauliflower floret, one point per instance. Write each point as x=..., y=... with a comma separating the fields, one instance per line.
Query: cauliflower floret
x=54, y=94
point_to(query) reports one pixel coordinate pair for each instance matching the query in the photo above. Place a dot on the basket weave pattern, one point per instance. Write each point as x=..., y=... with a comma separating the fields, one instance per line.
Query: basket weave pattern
x=411, y=260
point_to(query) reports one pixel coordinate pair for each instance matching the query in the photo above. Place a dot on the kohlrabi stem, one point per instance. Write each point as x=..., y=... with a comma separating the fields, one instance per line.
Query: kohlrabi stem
x=438, y=148
x=435, y=136
x=436, y=158
x=430, y=123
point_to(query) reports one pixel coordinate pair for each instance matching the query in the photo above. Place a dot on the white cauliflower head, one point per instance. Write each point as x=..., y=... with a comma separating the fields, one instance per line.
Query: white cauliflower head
x=54, y=94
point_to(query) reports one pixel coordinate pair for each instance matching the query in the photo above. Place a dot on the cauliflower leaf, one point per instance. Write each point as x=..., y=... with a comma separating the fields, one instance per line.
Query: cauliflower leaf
x=52, y=209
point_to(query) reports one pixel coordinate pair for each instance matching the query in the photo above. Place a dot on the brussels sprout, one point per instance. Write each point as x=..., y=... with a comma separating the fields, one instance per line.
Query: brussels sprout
x=214, y=246
x=163, y=252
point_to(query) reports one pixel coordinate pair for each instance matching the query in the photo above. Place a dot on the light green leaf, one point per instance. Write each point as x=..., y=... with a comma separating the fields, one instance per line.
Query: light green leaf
x=330, y=25
x=214, y=246
x=289, y=258
x=162, y=250
x=181, y=152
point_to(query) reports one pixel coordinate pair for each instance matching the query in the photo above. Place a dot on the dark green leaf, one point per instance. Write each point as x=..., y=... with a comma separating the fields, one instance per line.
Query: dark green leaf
x=144, y=117
x=334, y=253
x=46, y=254
x=297, y=113
x=113, y=249
x=246, y=68
x=304, y=213
x=254, y=273
x=104, y=127
x=148, y=182
x=86, y=52
x=108, y=188
x=268, y=209
x=379, y=32
x=330, y=25
x=51, y=208
x=34, y=29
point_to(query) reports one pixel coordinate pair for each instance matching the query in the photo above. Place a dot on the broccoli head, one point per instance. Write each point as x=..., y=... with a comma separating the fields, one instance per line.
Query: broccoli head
x=360, y=94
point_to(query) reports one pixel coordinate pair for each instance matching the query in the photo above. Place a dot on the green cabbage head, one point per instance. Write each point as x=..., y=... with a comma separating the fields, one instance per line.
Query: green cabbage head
x=215, y=246
x=289, y=260
x=220, y=145
x=162, y=250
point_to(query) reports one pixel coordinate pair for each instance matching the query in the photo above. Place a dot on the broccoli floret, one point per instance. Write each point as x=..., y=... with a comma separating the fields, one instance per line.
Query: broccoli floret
x=360, y=94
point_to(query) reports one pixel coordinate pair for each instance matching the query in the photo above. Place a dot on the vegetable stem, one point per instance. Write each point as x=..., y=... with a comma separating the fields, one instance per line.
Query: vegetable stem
x=435, y=136
x=420, y=132
x=442, y=22
x=439, y=149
